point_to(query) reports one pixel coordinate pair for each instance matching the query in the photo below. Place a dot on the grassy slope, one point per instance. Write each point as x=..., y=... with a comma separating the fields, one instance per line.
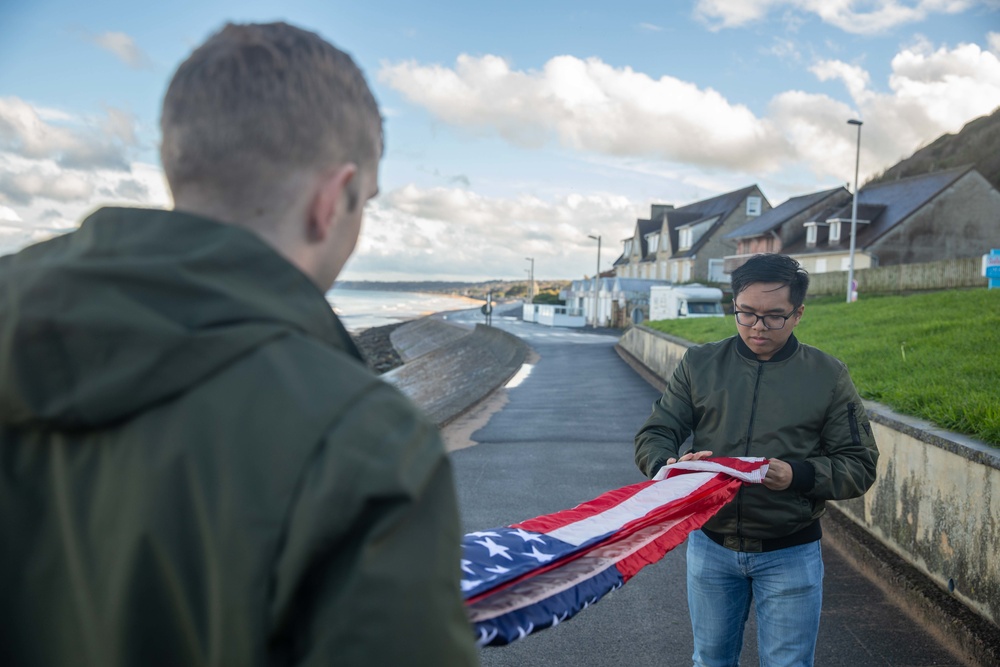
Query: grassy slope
x=935, y=356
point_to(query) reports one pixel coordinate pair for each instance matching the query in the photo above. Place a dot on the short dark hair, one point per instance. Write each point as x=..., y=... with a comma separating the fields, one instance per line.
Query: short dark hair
x=772, y=268
x=259, y=100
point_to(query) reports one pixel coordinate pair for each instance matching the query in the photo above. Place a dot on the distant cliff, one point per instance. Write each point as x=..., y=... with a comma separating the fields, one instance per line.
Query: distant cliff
x=978, y=144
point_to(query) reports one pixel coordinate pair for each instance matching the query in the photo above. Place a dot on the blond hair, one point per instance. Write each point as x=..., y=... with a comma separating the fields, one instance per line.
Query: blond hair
x=259, y=101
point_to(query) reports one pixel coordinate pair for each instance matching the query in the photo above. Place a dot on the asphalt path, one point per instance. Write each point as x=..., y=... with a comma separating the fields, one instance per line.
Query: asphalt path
x=562, y=436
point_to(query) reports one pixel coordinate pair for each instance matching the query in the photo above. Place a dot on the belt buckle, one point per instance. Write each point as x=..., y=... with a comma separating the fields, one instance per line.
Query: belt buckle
x=745, y=544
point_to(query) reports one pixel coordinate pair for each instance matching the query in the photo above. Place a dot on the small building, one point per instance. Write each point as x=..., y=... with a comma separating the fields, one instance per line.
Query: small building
x=783, y=225
x=947, y=214
x=688, y=243
x=630, y=300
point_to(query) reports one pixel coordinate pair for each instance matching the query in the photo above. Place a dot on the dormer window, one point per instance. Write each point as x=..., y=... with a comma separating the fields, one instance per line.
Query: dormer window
x=684, y=238
x=653, y=242
x=628, y=247
x=811, y=233
x=753, y=207
x=834, y=232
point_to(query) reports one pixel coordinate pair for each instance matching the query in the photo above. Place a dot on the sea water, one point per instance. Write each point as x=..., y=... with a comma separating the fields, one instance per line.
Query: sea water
x=362, y=309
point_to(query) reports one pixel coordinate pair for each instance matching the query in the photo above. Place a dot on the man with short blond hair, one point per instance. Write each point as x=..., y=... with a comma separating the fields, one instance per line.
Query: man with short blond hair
x=196, y=466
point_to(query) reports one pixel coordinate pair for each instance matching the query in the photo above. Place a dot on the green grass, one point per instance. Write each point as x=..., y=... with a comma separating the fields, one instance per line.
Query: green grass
x=935, y=356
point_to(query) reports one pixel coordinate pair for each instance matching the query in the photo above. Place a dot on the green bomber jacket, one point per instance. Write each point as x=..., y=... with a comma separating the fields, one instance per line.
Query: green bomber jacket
x=197, y=468
x=800, y=406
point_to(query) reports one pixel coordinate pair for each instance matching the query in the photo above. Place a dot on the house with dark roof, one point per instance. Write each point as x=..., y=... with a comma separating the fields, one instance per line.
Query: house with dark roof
x=947, y=214
x=783, y=225
x=688, y=243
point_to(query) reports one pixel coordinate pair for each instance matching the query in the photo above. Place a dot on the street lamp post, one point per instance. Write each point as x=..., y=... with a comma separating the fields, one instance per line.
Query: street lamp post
x=531, y=280
x=597, y=276
x=854, y=214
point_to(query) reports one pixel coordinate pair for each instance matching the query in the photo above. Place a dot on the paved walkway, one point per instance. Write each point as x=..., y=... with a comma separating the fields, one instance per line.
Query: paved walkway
x=564, y=435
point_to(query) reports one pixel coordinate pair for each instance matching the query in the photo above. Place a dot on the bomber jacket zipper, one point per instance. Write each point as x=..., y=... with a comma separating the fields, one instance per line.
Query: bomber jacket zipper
x=753, y=416
x=852, y=421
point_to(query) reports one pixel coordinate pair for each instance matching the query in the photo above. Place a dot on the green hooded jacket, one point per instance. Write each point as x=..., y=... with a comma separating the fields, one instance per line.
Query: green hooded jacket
x=197, y=468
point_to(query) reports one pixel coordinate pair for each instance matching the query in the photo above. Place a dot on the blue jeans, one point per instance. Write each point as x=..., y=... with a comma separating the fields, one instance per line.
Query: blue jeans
x=786, y=587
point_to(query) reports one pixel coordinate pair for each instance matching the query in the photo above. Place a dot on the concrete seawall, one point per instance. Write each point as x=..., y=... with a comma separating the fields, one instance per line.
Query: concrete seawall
x=935, y=505
x=450, y=368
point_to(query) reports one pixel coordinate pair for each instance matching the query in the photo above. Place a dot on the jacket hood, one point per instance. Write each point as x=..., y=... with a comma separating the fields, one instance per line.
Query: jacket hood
x=137, y=306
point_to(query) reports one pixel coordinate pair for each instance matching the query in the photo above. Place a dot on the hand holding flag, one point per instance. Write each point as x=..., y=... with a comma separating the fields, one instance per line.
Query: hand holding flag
x=535, y=574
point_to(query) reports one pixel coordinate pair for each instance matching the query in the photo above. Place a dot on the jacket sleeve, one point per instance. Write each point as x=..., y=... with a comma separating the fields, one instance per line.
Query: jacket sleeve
x=845, y=467
x=369, y=572
x=668, y=426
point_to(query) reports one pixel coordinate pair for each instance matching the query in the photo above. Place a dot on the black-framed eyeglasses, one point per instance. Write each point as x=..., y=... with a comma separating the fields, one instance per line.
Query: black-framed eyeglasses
x=747, y=319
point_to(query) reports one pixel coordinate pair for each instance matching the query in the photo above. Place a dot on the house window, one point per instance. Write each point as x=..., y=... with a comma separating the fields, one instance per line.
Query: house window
x=673, y=272
x=834, y=232
x=811, y=234
x=845, y=264
x=628, y=247
x=821, y=265
x=684, y=238
x=653, y=241
x=753, y=206
x=687, y=272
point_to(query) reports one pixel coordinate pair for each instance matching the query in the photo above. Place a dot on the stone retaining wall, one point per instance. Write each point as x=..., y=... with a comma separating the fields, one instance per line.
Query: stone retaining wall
x=456, y=368
x=936, y=502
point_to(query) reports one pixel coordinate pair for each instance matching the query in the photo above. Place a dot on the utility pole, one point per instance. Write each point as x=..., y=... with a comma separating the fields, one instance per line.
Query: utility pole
x=597, y=276
x=854, y=215
x=531, y=280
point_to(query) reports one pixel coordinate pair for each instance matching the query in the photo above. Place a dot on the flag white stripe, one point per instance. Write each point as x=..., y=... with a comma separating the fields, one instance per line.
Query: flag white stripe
x=640, y=504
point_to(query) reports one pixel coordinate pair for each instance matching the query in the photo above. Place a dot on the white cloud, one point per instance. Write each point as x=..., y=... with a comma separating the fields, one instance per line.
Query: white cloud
x=55, y=167
x=993, y=41
x=591, y=106
x=854, y=78
x=649, y=27
x=853, y=16
x=442, y=233
x=932, y=92
x=123, y=47
x=70, y=141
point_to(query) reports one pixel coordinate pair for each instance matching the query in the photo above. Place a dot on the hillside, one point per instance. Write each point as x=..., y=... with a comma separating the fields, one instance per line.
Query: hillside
x=976, y=144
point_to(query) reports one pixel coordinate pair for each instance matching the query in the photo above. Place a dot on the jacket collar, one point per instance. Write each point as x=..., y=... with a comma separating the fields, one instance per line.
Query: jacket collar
x=791, y=345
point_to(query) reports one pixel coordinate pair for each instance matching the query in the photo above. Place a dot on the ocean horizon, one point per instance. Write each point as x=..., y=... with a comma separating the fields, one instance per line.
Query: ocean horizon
x=363, y=309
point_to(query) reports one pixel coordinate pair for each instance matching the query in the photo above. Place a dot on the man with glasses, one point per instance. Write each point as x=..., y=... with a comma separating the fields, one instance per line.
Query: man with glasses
x=762, y=393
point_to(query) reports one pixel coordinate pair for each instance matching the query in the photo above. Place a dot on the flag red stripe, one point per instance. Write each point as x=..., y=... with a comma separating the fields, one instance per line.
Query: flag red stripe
x=604, y=502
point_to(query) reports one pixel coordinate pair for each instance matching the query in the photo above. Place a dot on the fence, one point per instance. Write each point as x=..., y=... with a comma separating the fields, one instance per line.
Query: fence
x=946, y=274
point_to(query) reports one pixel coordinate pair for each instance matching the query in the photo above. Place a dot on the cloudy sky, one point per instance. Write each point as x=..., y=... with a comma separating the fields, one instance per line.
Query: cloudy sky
x=516, y=130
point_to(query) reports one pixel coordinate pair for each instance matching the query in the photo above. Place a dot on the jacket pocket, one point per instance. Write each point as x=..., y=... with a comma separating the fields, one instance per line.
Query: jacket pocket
x=852, y=421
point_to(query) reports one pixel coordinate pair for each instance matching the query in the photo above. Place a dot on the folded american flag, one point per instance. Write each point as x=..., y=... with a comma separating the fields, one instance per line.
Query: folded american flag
x=535, y=574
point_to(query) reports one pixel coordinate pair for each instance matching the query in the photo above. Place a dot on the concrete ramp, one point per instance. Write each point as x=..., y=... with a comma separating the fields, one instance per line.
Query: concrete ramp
x=417, y=338
x=451, y=378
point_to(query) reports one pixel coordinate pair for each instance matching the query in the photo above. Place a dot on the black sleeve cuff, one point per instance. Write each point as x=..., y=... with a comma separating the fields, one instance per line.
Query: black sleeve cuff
x=803, y=476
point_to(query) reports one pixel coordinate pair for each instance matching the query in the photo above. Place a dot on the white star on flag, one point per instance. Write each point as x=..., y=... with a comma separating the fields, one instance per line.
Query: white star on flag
x=484, y=533
x=538, y=555
x=468, y=584
x=498, y=569
x=465, y=566
x=528, y=537
x=495, y=548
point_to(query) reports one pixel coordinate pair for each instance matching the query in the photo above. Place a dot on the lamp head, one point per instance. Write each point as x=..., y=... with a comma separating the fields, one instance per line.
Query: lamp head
x=854, y=122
